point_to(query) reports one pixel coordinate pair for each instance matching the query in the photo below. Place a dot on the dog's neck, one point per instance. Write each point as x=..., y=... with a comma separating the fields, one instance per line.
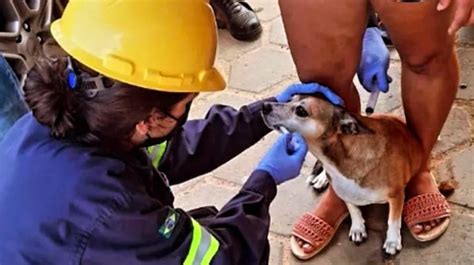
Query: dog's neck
x=348, y=153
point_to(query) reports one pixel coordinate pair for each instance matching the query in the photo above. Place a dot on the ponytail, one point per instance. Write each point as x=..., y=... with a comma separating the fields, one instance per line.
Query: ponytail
x=49, y=98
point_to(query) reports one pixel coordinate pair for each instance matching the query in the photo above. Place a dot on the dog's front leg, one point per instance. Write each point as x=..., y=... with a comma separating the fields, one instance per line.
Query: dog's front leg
x=358, y=232
x=318, y=178
x=393, y=242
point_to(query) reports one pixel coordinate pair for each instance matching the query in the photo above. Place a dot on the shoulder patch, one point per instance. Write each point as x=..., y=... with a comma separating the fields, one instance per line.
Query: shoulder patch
x=168, y=226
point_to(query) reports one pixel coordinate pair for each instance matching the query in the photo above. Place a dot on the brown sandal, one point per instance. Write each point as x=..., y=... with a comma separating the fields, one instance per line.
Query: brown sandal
x=424, y=208
x=315, y=231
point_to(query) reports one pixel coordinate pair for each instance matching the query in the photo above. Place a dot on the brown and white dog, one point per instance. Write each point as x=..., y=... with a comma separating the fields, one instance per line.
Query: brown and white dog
x=369, y=160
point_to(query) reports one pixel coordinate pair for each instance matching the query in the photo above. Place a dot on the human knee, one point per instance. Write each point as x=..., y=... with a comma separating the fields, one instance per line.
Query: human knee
x=340, y=84
x=330, y=75
x=428, y=62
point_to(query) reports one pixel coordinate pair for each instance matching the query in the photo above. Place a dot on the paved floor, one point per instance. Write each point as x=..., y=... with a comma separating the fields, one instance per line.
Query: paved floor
x=262, y=68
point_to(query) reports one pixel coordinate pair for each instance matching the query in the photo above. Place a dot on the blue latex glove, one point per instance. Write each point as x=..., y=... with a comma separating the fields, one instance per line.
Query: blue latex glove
x=374, y=63
x=309, y=88
x=284, y=159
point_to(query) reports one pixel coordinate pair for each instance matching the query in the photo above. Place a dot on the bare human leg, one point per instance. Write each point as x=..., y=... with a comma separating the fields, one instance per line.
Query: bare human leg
x=430, y=77
x=325, y=38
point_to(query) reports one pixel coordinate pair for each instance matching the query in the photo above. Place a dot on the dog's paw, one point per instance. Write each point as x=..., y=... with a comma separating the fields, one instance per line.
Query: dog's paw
x=392, y=246
x=319, y=182
x=358, y=233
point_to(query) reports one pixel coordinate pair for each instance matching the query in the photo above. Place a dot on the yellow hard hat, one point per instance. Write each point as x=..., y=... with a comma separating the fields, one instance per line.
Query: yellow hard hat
x=166, y=45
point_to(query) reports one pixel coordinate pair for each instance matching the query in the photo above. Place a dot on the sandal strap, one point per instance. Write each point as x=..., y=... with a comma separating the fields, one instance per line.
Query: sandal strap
x=425, y=207
x=312, y=229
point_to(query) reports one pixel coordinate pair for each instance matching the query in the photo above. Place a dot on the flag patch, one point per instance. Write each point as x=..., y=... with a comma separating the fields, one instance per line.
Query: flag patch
x=168, y=226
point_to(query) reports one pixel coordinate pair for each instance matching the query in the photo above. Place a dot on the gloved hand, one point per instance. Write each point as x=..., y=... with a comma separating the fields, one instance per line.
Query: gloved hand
x=309, y=88
x=374, y=62
x=285, y=158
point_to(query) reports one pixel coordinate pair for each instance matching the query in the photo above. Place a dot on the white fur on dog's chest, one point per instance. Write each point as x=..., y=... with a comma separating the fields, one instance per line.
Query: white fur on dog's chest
x=349, y=191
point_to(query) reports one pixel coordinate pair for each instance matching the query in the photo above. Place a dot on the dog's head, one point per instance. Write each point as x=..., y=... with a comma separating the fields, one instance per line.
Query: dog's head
x=311, y=116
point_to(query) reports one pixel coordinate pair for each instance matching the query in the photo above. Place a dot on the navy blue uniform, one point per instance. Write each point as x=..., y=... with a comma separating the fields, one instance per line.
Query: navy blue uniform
x=64, y=203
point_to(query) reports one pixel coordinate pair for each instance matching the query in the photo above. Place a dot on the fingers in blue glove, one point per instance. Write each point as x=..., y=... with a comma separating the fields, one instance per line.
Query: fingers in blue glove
x=331, y=96
x=285, y=158
x=298, y=146
x=382, y=81
x=290, y=146
x=312, y=88
x=368, y=82
x=379, y=81
x=375, y=61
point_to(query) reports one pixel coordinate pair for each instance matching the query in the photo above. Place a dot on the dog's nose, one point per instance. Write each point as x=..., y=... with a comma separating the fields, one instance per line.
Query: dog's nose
x=267, y=108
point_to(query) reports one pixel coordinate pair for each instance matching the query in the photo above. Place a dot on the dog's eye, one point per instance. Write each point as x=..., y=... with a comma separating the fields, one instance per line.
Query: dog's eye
x=301, y=112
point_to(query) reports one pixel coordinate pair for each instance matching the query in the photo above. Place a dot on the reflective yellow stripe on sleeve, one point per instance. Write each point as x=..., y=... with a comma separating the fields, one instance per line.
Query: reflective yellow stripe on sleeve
x=204, y=246
x=156, y=153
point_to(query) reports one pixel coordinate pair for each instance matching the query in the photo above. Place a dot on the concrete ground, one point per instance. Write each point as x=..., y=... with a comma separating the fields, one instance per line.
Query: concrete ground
x=263, y=68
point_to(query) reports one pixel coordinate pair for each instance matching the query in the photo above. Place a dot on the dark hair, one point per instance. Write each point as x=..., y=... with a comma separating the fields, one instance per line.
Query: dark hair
x=107, y=120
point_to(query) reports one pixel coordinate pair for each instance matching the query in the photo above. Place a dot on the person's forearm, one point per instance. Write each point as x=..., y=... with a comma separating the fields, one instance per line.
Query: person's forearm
x=205, y=144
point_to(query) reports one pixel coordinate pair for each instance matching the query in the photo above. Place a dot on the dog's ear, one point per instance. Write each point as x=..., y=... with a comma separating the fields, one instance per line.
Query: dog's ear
x=348, y=124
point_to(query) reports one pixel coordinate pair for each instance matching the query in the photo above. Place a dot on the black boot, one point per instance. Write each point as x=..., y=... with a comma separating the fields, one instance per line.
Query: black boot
x=238, y=17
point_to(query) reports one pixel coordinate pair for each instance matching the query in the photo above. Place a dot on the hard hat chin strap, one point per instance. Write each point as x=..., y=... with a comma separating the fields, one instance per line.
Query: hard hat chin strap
x=82, y=80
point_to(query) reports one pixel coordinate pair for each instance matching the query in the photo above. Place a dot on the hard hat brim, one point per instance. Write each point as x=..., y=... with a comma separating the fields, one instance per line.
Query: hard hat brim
x=123, y=70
